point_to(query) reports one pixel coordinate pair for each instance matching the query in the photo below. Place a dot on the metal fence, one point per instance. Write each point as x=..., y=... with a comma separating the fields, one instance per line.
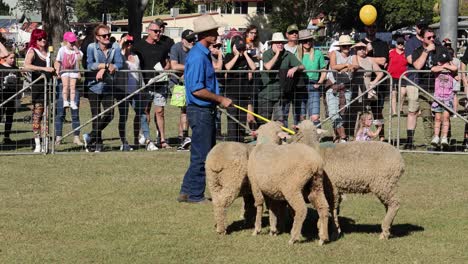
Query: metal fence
x=340, y=109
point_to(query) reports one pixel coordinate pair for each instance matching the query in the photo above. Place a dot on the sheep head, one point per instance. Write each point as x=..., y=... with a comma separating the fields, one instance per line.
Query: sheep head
x=271, y=133
x=307, y=133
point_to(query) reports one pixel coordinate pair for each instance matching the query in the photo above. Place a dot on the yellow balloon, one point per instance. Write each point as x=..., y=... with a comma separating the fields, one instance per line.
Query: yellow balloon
x=368, y=15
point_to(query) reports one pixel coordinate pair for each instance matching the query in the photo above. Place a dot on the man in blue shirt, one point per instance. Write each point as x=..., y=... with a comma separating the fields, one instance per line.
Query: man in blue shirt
x=104, y=59
x=202, y=96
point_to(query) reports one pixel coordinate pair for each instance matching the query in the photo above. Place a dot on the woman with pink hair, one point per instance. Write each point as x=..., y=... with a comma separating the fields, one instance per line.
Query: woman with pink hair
x=38, y=61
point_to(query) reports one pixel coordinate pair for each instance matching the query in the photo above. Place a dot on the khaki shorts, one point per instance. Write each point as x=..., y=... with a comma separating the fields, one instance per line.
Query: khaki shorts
x=412, y=94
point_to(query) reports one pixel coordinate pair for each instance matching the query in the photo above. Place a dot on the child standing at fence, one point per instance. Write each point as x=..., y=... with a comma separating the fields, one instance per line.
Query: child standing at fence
x=68, y=58
x=363, y=131
x=444, y=93
x=8, y=85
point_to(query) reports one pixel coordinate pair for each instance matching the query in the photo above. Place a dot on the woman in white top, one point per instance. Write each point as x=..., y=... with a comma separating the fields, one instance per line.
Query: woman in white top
x=341, y=62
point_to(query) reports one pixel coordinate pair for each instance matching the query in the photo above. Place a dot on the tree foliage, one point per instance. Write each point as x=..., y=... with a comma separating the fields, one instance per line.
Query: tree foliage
x=287, y=12
x=4, y=8
x=164, y=6
x=392, y=14
x=92, y=10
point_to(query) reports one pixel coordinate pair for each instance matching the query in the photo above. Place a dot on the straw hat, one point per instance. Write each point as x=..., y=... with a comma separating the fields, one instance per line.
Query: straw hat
x=359, y=44
x=278, y=37
x=205, y=23
x=305, y=34
x=344, y=40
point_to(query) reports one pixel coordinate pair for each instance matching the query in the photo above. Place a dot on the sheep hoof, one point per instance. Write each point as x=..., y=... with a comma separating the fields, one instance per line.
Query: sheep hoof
x=273, y=233
x=321, y=242
x=255, y=232
x=292, y=241
x=222, y=232
x=384, y=236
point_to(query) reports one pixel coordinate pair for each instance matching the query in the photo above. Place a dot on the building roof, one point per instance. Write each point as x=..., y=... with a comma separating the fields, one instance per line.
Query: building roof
x=463, y=24
x=167, y=17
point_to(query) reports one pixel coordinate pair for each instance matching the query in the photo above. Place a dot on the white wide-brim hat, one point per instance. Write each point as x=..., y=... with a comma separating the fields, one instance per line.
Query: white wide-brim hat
x=205, y=23
x=278, y=37
x=345, y=40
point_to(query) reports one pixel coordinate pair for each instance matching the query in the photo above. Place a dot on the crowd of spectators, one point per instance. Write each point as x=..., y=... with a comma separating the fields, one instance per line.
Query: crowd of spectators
x=286, y=73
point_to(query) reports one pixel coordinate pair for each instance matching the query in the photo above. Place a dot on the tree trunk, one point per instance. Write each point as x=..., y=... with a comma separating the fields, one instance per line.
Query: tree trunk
x=136, y=9
x=55, y=22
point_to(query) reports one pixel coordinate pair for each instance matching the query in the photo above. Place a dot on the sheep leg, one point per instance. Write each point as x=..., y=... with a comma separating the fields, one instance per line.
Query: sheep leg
x=273, y=212
x=220, y=203
x=296, y=201
x=391, y=205
x=336, y=211
x=318, y=199
x=259, y=200
x=249, y=210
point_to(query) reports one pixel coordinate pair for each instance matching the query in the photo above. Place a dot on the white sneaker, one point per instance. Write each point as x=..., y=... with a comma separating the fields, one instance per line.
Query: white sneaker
x=73, y=105
x=435, y=141
x=77, y=141
x=58, y=140
x=38, y=149
x=142, y=140
x=444, y=142
x=151, y=146
x=66, y=104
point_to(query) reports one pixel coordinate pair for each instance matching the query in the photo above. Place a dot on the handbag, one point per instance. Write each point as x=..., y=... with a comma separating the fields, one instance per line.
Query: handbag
x=178, y=96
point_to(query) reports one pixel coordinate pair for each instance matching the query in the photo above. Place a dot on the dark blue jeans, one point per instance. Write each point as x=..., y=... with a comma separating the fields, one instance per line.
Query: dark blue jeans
x=60, y=115
x=202, y=122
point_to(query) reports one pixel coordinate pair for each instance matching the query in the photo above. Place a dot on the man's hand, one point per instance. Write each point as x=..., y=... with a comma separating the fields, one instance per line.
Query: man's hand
x=100, y=74
x=431, y=47
x=226, y=102
x=111, y=68
x=291, y=72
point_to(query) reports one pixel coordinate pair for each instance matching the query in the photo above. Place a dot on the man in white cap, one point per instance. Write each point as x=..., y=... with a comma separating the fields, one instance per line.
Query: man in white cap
x=202, y=96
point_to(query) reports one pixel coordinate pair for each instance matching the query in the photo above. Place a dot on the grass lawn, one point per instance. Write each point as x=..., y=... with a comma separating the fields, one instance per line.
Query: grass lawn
x=121, y=208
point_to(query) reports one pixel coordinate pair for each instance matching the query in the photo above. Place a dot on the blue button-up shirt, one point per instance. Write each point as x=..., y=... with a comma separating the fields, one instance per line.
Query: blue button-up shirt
x=199, y=74
x=101, y=58
x=95, y=56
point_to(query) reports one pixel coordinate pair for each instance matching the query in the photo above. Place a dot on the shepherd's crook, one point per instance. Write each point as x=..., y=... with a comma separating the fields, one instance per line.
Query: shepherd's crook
x=262, y=118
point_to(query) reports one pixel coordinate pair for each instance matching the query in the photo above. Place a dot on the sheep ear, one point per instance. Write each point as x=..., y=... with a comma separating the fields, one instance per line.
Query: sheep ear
x=283, y=135
x=321, y=131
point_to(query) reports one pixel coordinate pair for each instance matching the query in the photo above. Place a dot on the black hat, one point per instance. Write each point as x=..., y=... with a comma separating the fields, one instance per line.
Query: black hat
x=422, y=23
x=444, y=56
x=160, y=22
x=188, y=35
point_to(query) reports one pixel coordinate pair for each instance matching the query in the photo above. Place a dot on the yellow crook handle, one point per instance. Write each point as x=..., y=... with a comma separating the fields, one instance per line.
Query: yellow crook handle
x=262, y=118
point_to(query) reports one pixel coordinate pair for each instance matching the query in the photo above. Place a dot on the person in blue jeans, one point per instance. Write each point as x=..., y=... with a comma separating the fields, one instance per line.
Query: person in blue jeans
x=202, y=96
x=313, y=60
x=60, y=116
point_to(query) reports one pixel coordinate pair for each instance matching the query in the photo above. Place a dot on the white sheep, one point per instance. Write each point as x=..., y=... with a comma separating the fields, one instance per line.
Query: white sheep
x=359, y=167
x=281, y=172
x=226, y=175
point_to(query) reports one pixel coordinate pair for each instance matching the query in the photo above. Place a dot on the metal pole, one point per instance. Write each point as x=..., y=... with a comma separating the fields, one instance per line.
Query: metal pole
x=449, y=21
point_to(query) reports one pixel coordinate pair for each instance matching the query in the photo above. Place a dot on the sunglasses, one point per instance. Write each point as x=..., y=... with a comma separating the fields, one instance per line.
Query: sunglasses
x=105, y=35
x=217, y=46
x=430, y=37
x=400, y=43
x=156, y=31
x=293, y=32
x=361, y=48
x=306, y=41
x=41, y=39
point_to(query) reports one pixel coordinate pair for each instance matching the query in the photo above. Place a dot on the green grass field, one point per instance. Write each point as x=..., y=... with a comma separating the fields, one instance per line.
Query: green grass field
x=117, y=207
x=121, y=208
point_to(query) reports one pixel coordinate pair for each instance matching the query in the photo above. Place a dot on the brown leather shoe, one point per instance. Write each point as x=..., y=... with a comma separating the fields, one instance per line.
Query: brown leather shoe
x=204, y=201
x=183, y=198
